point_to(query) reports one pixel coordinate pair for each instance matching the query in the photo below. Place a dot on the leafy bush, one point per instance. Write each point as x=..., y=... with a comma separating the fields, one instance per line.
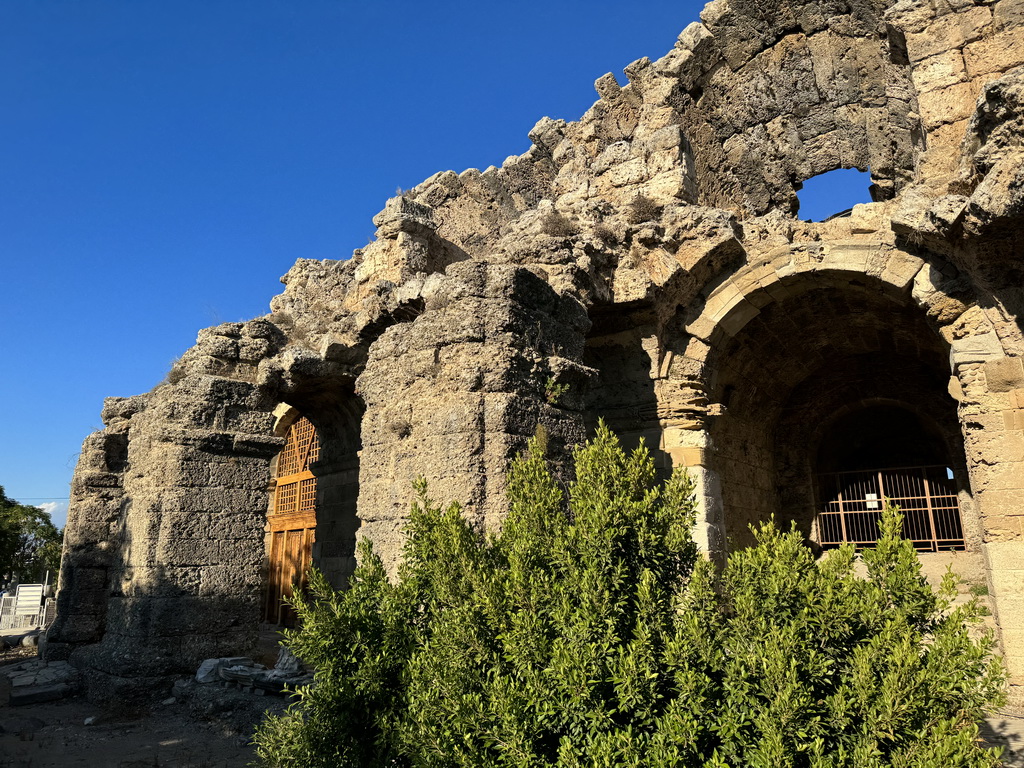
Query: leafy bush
x=591, y=632
x=30, y=544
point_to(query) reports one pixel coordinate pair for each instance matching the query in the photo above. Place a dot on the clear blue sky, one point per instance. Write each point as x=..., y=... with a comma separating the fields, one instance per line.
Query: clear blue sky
x=163, y=163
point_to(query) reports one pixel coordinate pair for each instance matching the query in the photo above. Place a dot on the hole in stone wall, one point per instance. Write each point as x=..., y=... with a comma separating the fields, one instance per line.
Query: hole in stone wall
x=832, y=194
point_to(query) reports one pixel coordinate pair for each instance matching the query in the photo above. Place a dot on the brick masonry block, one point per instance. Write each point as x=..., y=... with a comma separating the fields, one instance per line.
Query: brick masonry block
x=996, y=502
x=995, y=54
x=1008, y=582
x=1013, y=419
x=947, y=33
x=1007, y=476
x=1010, y=613
x=948, y=105
x=939, y=71
x=688, y=457
x=1002, y=527
x=1014, y=665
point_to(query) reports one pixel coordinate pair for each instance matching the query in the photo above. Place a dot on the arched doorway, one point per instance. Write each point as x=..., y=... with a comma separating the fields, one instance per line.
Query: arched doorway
x=783, y=365
x=884, y=451
x=619, y=348
x=311, y=513
x=291, y=521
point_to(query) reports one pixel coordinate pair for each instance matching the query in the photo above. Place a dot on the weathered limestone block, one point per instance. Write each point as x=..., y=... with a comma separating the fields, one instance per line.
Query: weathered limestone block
x=1005, y=562
x=947, y=105
x=998, y=201
x=940, y=71
x=161, y=554
x=949, y=32
x=997, y=53
x=90, y=544
x=1004, y=374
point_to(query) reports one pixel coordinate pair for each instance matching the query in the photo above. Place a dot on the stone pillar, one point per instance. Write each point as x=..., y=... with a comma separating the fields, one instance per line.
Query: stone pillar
x=337, y=484
x=684, y=411
x=185, y=582
x=91, y=548
x=688, y=448
x=454, y=395
x=992, y=411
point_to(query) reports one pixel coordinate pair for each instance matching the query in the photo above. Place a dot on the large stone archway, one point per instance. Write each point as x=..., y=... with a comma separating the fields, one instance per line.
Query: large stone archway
x=830, y=345
x=781, y=345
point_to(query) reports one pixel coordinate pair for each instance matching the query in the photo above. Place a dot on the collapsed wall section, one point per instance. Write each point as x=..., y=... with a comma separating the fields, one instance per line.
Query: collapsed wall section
x=91, y=555
x=185, y=538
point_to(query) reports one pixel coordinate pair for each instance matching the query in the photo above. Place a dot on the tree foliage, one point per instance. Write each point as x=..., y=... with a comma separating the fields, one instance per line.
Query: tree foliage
x=590, y=632
x=30, y=544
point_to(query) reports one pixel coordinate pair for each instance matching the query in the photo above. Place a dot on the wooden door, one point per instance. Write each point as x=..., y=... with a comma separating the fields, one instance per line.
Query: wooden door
x=291, y=524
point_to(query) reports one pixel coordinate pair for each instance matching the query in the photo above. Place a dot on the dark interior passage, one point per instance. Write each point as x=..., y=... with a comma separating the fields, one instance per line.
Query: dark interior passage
x=337, y=475
x=880, y=436
x=837, y=376
x=624, y=394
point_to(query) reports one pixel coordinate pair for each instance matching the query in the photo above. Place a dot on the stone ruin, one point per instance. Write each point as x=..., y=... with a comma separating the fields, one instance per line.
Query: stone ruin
x=646, y=265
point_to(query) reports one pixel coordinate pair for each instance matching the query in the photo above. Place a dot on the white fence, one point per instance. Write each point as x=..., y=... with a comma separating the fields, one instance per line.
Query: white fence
x=27, y=608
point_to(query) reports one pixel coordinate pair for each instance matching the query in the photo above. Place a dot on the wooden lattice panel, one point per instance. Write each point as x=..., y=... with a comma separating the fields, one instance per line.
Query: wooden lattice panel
x=296, y=486
x=285, y=497
x=301, y=449
x=307, y=495
x=291, y=527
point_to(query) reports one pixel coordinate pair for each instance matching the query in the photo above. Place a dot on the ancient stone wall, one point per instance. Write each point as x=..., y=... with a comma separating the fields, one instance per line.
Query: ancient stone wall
x=645, y=265
x=454, y=395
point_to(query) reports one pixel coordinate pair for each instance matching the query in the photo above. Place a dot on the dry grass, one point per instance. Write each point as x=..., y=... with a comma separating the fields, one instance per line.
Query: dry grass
x=556, y=224
x=642, y=209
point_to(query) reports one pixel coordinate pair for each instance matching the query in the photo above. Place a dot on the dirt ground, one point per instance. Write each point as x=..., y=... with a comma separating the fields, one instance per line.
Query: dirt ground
x=54, y=735
x=206, y=727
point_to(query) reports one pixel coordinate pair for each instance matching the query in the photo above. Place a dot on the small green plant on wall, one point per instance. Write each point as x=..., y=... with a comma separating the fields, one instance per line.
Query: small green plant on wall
x=553, y=391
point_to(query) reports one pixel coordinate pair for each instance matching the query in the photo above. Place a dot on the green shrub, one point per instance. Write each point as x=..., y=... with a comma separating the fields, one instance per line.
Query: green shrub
x=590, y=632
x=553, y=391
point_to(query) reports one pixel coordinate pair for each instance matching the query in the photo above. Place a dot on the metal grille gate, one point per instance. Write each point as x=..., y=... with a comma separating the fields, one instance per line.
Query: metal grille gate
x=926, y=496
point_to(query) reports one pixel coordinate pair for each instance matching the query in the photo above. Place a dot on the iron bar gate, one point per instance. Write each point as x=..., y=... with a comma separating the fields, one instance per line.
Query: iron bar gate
x=853, y=502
